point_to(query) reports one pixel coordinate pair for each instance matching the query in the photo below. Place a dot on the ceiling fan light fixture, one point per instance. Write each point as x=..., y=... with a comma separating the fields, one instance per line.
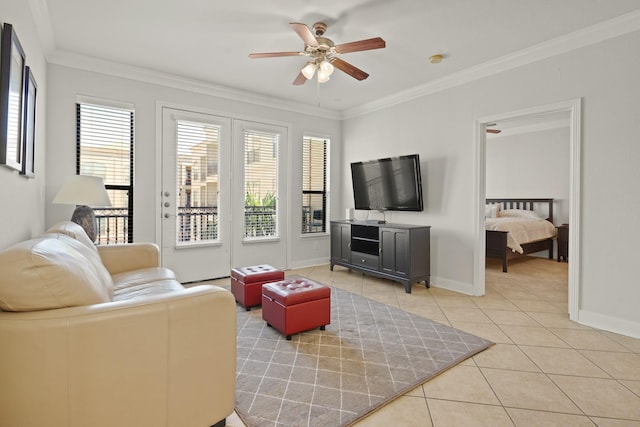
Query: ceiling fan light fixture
x=309, y=70
x=326, y=67
x=323, y=76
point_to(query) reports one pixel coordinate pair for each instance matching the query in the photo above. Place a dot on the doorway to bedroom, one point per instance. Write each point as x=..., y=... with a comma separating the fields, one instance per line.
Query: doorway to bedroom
x=532, y=154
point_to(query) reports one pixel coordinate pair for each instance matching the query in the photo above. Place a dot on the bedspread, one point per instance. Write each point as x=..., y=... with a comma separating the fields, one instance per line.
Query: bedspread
x=522, y=230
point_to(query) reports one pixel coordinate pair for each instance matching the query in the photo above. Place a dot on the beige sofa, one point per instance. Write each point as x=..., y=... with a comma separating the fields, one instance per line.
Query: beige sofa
x=102, y=336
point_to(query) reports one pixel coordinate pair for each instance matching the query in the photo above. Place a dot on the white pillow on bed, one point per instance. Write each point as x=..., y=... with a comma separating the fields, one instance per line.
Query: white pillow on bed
x=520, y=213
x=491, y=211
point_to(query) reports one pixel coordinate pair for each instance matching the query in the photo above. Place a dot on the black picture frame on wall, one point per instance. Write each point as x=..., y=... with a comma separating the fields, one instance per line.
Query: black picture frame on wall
x=28, y=149
x=12, y=77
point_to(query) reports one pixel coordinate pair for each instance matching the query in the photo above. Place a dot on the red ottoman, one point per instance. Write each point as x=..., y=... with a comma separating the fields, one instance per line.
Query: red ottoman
x=296, y=305
x=246, y=283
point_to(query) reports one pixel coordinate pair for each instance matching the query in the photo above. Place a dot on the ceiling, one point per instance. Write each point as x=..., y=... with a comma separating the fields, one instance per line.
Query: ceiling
x=207, y=42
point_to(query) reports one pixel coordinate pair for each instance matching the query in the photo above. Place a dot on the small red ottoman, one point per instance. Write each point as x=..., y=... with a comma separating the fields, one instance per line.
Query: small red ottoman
x=296, y=305
x=246, y=283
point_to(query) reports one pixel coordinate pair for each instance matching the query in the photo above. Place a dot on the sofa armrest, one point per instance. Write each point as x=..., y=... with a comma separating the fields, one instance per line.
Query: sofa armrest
x=167, y=360
x=129, y=256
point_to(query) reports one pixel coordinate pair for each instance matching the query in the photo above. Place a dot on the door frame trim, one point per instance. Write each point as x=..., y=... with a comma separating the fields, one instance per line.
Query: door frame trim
x=574, y=107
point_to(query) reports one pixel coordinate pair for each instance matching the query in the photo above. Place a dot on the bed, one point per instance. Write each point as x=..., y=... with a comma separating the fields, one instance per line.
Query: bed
x=518, y=227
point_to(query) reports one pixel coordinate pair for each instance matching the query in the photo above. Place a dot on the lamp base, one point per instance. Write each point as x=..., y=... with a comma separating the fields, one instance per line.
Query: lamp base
x=86, y=218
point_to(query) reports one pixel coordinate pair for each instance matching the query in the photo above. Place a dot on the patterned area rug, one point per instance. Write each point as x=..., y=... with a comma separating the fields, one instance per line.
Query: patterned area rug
x=370, y=354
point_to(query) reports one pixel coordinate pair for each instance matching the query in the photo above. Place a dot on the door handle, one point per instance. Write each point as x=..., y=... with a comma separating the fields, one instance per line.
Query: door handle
x=167, y=204
x=167, y=215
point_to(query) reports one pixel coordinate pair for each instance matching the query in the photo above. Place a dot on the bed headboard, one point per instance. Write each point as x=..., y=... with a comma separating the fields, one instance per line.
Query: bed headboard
x=527, y=204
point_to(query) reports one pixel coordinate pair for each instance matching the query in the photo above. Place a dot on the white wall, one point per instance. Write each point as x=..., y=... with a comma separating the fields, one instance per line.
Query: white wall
x=440, y=127
x=22, y=213
x=530, y=165
x=65, y=84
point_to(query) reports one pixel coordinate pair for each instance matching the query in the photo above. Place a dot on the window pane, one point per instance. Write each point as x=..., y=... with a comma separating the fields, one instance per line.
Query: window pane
x=105, y=135
x=260, y=184
x=113, y=224
x=105, y=149
x=314, y=185
x=197, y=180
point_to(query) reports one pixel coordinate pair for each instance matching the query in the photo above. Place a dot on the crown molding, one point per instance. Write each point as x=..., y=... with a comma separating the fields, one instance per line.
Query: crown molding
x=606, y=30
x=41, y=17
x=87, y=63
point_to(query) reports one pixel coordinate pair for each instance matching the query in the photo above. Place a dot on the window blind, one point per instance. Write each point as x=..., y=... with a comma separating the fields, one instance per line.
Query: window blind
x=104, y=148
x=261, y=184
x=314, y=184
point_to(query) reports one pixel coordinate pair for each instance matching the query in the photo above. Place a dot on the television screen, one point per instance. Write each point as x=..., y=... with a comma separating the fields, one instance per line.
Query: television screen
x=388, y=184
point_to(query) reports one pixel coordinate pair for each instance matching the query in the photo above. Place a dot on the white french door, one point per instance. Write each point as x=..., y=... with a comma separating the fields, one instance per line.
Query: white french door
x=196, y=202
x=224, y=204
x=259, y=223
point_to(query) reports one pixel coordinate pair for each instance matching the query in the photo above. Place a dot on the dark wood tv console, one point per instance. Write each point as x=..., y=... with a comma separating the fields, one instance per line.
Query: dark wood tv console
x=398, y=252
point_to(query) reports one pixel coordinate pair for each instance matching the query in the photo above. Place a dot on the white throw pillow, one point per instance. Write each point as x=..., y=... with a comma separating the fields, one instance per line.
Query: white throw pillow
x=491, y=211
x=520, y=213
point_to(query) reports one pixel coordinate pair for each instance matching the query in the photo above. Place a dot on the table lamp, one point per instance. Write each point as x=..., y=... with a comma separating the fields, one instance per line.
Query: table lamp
x=84, y=191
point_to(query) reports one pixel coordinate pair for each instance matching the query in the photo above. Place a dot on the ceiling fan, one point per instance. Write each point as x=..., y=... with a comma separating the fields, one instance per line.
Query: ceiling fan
x=323, y=53
x=489, y=130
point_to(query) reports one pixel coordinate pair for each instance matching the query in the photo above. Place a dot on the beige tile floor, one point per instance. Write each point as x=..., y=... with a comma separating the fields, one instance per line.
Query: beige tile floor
x=543, y=371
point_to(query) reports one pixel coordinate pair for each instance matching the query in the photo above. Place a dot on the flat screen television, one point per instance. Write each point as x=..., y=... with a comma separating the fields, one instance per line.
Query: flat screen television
x=390, y=184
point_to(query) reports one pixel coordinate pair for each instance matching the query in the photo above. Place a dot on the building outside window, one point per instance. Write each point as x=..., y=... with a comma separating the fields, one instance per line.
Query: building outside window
x=261, y=184
x=197, y=185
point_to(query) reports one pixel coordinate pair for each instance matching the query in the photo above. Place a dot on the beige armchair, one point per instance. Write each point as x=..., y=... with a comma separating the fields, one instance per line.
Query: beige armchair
x=155, y=355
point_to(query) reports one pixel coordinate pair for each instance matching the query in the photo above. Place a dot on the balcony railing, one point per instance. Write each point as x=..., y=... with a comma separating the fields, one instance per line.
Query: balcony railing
x=113, y=225
x=259, y=221
x=194, y=223
x=197, y=223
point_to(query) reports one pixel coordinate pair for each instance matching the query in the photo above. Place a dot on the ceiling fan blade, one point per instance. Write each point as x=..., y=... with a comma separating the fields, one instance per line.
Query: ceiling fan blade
x=354, y=72
x=273, y=54
x=300, y=79
x=305, y=34
x=374, y=43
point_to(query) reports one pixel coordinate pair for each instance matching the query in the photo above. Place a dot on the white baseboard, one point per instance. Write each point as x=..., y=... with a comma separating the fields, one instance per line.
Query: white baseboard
x=313, y=262
x=609, y=323
x=452, y=285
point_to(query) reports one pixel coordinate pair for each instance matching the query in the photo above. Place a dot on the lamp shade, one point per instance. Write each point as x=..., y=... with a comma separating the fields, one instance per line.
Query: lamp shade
x=323, y=76
x=83, y=190
x=326, y=67
x=309, y=70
